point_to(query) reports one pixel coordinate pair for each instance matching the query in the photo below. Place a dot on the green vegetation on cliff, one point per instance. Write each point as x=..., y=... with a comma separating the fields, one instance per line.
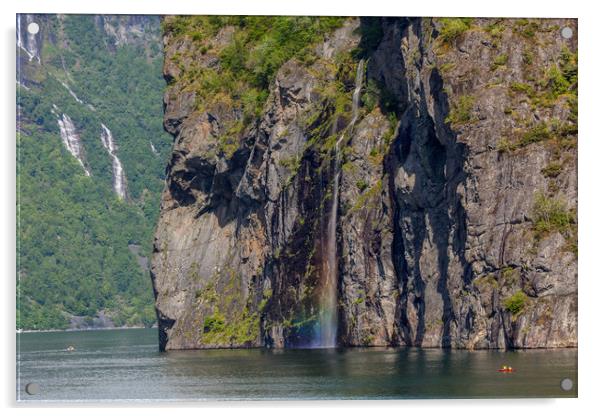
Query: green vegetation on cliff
x=452, y=28
x=260, y=45
x=552, y=215
x=516, y=303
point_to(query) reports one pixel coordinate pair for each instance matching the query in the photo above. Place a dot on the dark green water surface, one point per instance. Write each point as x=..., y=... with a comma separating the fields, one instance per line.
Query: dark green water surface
x=125, y=365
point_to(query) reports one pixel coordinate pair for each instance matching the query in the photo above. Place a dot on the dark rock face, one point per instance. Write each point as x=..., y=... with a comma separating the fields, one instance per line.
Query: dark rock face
x=437, y=237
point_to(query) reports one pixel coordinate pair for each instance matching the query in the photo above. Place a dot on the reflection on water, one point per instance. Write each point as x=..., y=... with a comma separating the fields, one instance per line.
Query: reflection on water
x=126, y=364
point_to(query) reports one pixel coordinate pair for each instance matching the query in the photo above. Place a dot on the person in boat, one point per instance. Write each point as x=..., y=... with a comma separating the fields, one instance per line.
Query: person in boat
x=70, y=348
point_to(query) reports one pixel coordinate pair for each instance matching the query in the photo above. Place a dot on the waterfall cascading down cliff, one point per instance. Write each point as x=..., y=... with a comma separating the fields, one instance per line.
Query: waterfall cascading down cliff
x=119, y=181
x=30, y=46
x=71, y=139
x=327, y=326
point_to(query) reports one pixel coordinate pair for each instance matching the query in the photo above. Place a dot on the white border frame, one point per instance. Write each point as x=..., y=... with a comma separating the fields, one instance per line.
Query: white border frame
x=590, y=201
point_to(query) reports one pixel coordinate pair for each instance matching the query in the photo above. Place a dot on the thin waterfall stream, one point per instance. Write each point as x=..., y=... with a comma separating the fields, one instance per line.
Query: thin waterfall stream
x=328, y=300
x=119, y=181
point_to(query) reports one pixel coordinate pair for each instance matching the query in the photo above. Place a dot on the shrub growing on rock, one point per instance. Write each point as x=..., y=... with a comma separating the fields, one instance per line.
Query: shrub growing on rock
x=452, y=28
x=516, y=303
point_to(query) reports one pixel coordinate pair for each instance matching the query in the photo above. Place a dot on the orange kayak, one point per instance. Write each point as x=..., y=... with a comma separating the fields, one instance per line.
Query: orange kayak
x=507, y=370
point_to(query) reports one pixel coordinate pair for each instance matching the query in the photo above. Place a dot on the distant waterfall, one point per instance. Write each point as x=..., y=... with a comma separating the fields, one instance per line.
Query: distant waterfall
x=328, y=298
x=30, y=46
x=75, y=97
x=154, y=150
x=21, y=85
x=71, y=139
x=119, y=181
x=71, y=92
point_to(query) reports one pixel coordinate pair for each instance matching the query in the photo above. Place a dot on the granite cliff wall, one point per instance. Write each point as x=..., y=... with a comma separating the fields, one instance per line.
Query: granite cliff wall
x=456, y=202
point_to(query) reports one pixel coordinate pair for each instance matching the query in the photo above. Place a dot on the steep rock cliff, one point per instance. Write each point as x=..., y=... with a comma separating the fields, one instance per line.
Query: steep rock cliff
x=446, y=195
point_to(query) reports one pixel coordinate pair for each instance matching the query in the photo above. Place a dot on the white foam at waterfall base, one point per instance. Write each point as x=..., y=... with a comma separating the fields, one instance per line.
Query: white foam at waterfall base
x=328, y=301
x=119, y=181
x=71, y=139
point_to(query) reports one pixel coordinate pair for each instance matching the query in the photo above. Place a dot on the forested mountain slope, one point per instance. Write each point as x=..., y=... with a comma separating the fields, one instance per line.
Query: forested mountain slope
x=91, y=156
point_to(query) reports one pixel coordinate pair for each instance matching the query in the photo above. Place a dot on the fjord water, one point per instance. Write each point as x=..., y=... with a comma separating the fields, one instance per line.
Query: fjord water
x=125, y=365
